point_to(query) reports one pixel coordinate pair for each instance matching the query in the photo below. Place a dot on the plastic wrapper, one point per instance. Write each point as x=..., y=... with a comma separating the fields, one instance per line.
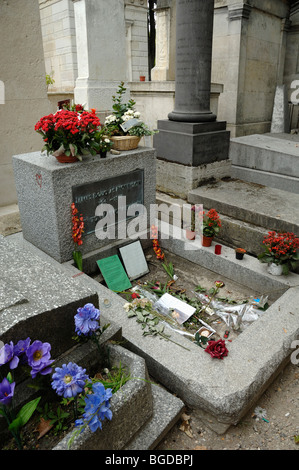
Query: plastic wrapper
x=145, y=293
x=237, y=317
x=167, y=319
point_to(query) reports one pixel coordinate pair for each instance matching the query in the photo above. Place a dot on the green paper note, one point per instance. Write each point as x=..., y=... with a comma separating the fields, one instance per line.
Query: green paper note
x=114, y=273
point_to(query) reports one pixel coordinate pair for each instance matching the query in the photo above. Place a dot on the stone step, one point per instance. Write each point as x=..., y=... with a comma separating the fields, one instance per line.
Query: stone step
x=234, y=232
x=266, y=159
x=261, y=206
x=285, y=183
x=167, y=410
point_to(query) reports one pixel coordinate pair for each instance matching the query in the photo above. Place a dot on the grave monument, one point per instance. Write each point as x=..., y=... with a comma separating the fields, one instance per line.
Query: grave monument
x=46, y=189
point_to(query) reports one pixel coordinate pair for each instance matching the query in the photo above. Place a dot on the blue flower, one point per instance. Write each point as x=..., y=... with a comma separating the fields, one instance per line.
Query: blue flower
x=6, y=391
x=69, y=380
x=97, y=408
x=20, y=349
x=7, y=355
x=87, y=320
x=39, y=358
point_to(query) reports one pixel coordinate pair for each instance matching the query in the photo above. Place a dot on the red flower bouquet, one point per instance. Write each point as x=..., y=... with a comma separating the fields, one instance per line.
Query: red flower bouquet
x=281, y=249
x=217, y=349
x=77, y=231
x=69, y=132
x=211, y=223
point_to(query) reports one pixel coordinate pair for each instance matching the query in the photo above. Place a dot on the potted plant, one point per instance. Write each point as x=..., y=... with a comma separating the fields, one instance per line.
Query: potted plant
x=280, y=253
x=211, y=226
x=104, y=144
x=69, y=133
x=240, y=252
x=124, y=126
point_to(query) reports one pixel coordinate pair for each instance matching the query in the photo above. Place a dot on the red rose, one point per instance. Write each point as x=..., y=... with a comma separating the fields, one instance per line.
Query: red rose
x=217, y=349
x=135, y=296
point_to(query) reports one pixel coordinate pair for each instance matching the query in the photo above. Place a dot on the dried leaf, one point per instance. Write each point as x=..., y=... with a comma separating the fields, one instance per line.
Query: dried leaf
x=43, y=427
x=185, y=425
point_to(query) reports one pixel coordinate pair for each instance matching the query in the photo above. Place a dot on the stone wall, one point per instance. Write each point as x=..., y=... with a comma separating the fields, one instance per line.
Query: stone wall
x=136, y=39
x=248, y=54
x=22, y=72
x=59, y=42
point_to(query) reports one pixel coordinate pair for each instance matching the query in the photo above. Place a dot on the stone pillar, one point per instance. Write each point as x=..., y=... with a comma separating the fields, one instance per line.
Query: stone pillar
x=101, y=51
x=194, y=36
x=164, y=69
x=191, y=136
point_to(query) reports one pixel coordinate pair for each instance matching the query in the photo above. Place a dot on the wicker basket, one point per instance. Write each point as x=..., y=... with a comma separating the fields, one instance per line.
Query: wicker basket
x=125, y=142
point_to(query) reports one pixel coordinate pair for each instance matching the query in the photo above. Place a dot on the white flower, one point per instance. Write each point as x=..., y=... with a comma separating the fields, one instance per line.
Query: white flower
x=111, y=118
x=127, y=306
x=107, y=141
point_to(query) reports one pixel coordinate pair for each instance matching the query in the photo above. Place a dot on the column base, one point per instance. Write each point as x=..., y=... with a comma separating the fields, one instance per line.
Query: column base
x=192, y=144
x=192, y=117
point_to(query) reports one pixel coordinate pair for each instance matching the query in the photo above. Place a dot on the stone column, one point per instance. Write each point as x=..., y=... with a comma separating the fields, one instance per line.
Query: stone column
x=191, y=144
x=194, y=36
x=101, y=51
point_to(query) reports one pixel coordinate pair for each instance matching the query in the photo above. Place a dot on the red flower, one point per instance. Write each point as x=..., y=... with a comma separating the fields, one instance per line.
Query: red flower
x=135, y=296
x=78, y=226
x=217, y=349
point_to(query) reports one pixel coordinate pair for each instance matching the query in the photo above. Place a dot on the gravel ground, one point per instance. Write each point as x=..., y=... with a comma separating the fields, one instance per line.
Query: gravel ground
x=281, y=405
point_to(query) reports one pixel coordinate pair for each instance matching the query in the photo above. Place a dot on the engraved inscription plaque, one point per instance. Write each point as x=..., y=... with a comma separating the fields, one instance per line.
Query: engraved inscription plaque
x=88, y=196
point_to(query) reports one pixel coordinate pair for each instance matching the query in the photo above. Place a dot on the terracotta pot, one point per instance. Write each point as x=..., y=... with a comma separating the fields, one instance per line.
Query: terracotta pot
x=66, y=158
x=142, y=78
x=190, y=235
x=206, y=241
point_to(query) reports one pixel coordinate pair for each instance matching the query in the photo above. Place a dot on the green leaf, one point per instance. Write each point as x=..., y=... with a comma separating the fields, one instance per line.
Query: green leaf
x=131, y=314
x=9, y=378
x=77, y=256
x=140, y=316
x=285, y=269
x=24, y=414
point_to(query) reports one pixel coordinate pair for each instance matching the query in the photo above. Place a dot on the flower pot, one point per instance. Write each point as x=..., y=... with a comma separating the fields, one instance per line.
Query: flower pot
x=142, y=78
x=275, y=269
x=239, y=255
x=190, y=235
x=66, y=158
x=103, y=154
x=206, y=241
x=125, y=142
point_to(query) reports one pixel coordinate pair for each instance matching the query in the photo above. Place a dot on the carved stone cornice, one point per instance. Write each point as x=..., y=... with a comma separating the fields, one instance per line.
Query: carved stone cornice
x=136, y=3
x=239, y=11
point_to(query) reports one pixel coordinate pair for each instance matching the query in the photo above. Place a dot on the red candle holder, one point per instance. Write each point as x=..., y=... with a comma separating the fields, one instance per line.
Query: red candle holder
x=218, y=249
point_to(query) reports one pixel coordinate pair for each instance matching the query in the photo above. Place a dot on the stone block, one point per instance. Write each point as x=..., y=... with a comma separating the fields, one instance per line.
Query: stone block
x=37, y=299
x=46, y=191
x=131, y=406
x=192, y=144
x=266, y=153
